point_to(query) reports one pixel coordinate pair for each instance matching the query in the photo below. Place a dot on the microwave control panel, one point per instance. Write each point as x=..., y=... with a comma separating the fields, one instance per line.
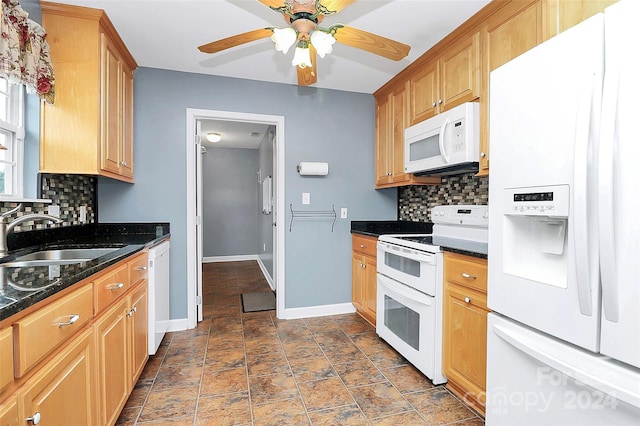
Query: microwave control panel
x=457, y=131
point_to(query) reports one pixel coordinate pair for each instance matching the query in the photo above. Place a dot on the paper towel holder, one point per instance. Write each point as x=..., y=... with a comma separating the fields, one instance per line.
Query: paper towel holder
x=309, y=168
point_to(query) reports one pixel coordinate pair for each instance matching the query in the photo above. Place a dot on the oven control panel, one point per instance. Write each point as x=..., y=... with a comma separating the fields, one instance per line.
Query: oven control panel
x=467, y=215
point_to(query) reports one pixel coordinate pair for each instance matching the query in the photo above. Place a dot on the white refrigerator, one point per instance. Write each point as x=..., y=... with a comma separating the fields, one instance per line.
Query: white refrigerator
x=563, y=340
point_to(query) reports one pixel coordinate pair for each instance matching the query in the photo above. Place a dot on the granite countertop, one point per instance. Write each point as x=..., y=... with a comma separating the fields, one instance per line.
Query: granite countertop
x=22, y=287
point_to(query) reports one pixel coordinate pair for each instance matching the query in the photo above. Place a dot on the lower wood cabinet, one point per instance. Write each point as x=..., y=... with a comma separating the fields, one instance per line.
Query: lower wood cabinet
x=364, y=278
x=81, y=371
x=63, y=391
x=464, y=357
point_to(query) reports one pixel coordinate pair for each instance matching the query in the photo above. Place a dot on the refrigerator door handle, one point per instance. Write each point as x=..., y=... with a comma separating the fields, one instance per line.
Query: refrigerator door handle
x=605, y=201
x=581, y=208
x=616, y=385
x=443, y=152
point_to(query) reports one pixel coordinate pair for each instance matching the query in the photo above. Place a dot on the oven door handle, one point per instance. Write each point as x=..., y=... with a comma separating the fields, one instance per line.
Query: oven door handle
x=407, y=253
x=401, y=289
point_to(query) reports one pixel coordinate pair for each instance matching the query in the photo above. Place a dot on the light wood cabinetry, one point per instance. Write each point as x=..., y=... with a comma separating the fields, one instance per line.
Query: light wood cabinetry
x=84, y=346
x=63, y=391
x=446, y=81
x=89, y=128
x=391, y=120
x=364, y=279
x=465, y=327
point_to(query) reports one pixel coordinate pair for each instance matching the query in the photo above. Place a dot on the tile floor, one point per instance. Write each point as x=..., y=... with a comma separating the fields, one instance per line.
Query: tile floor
x=240, y=368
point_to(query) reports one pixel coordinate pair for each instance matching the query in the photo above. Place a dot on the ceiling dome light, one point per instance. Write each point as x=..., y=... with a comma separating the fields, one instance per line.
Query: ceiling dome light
x=284, y=38
x=302, y=57
x=323, y=42
x=214, y=137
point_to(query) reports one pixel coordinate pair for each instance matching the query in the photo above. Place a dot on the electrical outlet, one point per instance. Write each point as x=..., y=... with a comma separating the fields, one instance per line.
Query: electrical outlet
x=343, y=213
x=306, y=198
x=264, y=246
x=82, y=214
x=53, y=210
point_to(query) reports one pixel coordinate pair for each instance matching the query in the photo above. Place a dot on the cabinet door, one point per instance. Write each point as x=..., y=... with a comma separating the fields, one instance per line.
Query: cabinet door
x=138, y=318
x=566, y=14
x=357, y=281
x=424, y=93
x=62, y=392
x=464, y=340
x=6, y=355
x=513, y=30
x=9, y=412
x=126, y=112
x=383, y=141
x=399, y=122
x=460, y=73
x=113, y=348
x=370, y=289
x=111, y=137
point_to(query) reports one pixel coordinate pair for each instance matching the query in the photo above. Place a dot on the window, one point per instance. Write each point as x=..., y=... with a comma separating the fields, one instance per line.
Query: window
x=11, y=138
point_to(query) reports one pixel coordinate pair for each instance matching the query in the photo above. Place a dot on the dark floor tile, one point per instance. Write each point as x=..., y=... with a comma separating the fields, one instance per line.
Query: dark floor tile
x=170, y=403
x=379, y=400
x=223, y=382
x=322, y=394
x=278, y=413
x=439, y=407
x=407, y=378
x=278, y=387
x=224, y=410
x=359, y=372
x=348, y=415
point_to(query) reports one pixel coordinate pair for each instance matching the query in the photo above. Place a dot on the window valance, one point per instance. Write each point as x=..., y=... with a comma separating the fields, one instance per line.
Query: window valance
x=24, y=51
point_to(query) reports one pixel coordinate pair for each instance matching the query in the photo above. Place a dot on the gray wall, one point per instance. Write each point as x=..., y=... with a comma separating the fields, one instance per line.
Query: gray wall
x=320, y=125
x=265, y=221
x=230, y=201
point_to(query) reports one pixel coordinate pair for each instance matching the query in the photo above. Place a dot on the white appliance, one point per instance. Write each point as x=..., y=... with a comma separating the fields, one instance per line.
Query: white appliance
x=158, y=294
x=564, y=241
x=409, y=292
x=445, y=144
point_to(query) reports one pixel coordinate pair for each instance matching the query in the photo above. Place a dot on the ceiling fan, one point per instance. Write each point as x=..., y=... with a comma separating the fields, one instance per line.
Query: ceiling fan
x=303, y=17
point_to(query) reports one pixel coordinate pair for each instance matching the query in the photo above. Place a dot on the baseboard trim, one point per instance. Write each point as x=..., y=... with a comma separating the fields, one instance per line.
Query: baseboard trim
x=318, y=311
x=179, y=324
x=236, y=258
x=267, y=277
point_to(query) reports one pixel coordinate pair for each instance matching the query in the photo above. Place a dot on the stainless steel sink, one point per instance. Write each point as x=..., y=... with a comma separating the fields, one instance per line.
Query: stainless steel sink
x=58, y=257
x=74, y=255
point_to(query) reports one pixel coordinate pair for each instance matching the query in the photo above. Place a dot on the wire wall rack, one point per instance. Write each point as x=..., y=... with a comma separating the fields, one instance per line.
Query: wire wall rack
x=313, y=214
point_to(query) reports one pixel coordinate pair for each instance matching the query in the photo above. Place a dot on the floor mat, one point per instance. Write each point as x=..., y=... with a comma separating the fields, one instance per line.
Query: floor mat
x=256, y=302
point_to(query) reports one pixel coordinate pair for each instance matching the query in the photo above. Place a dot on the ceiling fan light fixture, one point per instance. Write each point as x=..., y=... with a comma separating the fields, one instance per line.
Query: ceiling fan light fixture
x=302, y=56
x=214, y=137
x=323, y=42
x=284, y=38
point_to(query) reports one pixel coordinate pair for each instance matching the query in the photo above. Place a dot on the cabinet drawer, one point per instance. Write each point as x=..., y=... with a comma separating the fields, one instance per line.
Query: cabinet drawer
x=39, y=333
x=6, y=355
x=111, y=286
x=365, y=245
x=138, y=269
x=466, y=270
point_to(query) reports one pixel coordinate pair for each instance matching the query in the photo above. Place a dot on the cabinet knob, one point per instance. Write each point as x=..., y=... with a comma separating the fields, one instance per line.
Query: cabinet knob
x=363, y=246
x=140, y=268
x=471, y=277
x=483, y=154
x=35, y=419
x=362, y=265
x=116, y=286
x=440, y=101
x=433, y=104
x=72, y=319
x=467, y=300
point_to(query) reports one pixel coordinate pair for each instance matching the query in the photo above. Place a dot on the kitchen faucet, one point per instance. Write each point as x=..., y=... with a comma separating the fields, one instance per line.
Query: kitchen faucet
x=6, y=226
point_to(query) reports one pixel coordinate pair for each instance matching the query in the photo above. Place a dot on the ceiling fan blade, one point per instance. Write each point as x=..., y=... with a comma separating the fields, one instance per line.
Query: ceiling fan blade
x=370, y=42
x=336, y=5
x=308, y=75
x=236, y=40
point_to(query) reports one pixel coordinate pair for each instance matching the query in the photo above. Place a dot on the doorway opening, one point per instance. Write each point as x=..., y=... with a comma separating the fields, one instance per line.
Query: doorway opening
x=194, y=203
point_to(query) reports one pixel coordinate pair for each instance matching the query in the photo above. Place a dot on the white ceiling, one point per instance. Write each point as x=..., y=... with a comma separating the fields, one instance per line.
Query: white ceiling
x=166, y=33
x=235, y=134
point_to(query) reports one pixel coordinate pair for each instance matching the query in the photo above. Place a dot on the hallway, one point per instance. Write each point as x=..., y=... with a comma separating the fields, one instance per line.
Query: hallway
x=240, y=368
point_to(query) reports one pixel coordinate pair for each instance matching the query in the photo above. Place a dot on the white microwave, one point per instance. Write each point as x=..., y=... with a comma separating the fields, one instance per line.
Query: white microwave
x=445, y=144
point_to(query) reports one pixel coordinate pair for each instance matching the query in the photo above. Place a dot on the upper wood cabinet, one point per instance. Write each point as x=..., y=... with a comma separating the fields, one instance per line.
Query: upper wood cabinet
x=391, y=120
x=89, y=128
x=446, y=81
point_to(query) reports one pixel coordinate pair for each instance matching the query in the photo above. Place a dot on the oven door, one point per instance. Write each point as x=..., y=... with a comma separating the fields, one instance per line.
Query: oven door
x=406, y=319
x=414, y=268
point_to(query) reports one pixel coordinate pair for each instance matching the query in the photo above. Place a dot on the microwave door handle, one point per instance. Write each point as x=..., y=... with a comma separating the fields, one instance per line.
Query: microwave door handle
x=443, y=153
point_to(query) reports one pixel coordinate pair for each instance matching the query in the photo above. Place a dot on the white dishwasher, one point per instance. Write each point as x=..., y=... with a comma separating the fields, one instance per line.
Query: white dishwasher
x=158, y=294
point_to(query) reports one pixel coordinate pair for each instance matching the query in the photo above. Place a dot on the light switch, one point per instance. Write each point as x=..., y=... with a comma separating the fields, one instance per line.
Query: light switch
x=343, y=213
x=306, y=198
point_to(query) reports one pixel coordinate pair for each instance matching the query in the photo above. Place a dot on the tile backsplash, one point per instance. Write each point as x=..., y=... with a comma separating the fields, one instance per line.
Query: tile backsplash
x=70, y=192
x=415, y=202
